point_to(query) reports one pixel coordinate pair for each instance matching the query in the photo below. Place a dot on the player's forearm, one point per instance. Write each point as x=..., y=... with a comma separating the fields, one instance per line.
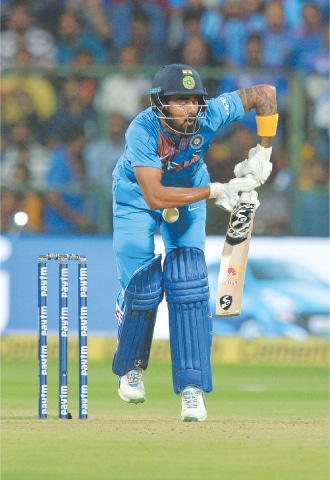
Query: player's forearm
x=260, y=97
x=168, y=197
x=159, y=196
x=263, y=99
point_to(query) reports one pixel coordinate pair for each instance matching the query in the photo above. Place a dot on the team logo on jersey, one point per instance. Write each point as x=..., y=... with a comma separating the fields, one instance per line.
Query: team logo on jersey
x=188, y=82
x=225, y=104
x=197, y=141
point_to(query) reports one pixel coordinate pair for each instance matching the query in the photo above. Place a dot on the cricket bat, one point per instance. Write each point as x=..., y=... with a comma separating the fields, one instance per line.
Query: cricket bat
x=234, y=258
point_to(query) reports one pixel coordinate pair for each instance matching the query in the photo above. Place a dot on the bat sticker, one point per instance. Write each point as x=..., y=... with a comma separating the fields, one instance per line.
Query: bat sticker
x=226, y=301
x=239, y=225
x=233, y=271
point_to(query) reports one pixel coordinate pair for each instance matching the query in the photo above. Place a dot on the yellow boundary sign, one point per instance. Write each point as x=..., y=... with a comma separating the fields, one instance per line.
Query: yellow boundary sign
x=225, y=350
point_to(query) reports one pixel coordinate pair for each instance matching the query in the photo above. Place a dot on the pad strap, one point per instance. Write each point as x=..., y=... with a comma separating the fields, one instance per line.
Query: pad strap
x=141, y=299
x=190, y=324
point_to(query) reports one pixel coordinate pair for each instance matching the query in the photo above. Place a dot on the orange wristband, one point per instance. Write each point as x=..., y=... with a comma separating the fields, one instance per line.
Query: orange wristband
x=267, y=126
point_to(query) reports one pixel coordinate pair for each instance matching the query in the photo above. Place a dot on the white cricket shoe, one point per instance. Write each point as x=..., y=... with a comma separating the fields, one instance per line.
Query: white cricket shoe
x=193, y=405
x=131, y=388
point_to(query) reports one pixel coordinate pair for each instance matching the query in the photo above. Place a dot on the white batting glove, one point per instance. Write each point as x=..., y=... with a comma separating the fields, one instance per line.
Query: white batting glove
x=254, y=198
x=258, y=165
x=227, y=194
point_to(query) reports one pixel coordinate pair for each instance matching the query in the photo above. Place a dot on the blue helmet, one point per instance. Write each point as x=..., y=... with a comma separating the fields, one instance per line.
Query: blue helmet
x=176, y=79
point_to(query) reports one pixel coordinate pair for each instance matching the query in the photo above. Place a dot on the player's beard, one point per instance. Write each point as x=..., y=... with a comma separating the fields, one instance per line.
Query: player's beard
x=183, y=128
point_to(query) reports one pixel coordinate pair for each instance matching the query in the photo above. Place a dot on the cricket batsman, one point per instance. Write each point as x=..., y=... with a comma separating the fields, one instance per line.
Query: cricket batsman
x=161, y=183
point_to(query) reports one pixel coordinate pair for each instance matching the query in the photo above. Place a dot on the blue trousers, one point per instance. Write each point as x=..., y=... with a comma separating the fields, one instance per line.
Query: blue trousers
x=135, y=226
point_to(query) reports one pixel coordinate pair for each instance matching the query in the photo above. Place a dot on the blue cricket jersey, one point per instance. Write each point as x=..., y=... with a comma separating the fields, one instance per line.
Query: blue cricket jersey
x=149, y=145
x=181, y=161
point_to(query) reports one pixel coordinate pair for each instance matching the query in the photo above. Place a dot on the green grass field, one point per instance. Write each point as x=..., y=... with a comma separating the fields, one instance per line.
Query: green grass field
x=264, y=423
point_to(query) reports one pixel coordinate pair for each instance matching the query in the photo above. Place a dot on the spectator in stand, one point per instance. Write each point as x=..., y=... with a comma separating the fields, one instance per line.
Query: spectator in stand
x=313, y=171
x=96, y=20
x=211, y=22
x=20, y=33
x=281, y=176
x=316, y=85
x=102, y=154
x=21, y=197
x=124, y=91
x=196, y=23
x=100, y=158
x=81, y=64
x=71, y=38
x=20, y=102
x=72, y=113
x=157, y=13
x=231, y=38
x=293, y=12
x=175, y=23
x=254, y=20
x=66, y=211
x=253, y=52
x=4, y=140
x=196, y=52
x=26, y=95
x=320, y=63
x=140, y=36
x=192, y=17
x=47, y=13
x=312, y=199
x=309, y=41
x=23, y=149
x=122, y=13
x=277, y=39
x=96, y=17
x=321, y=112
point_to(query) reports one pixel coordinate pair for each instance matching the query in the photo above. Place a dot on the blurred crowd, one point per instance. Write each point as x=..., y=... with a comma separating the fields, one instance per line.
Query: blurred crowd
x=74, y=73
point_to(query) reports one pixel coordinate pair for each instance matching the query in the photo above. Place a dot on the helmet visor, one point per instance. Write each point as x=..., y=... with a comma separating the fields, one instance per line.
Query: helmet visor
x=180, y=115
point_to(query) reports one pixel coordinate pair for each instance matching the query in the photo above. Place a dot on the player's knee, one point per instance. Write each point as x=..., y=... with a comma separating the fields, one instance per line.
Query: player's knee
x=185, y=276
x=145, y=290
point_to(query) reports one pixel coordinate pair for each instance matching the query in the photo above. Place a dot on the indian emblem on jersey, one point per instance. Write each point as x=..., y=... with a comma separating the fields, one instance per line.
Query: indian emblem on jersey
x=188, y=82
x=197, y=141
x=226, y=301
x=239, y=224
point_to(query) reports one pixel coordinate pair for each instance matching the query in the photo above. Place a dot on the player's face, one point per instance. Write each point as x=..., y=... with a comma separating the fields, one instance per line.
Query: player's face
x=183, y=111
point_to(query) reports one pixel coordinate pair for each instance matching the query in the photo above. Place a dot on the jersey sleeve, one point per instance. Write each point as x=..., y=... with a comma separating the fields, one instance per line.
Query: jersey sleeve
x=225, y=108
x=142, y=145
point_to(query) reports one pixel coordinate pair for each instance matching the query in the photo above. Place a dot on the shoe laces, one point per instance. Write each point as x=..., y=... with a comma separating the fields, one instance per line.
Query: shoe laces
x=134, y=377
x=191, y=397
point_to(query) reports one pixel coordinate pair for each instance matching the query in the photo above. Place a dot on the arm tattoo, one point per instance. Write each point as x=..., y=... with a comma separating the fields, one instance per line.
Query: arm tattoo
x=260, y=97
